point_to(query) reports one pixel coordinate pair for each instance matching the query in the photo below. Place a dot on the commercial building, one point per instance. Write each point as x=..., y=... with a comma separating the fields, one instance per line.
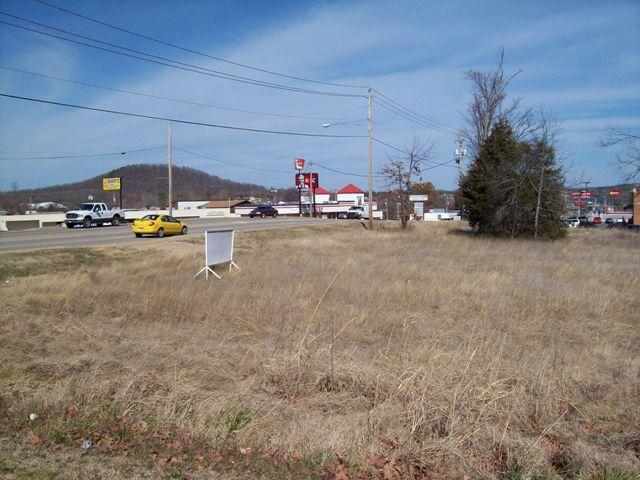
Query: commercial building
x=350, y=193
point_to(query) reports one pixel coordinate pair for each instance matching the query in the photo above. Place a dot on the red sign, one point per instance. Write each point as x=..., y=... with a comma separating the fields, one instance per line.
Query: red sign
x=614, y=193
x=585, y=194
x=311, y=180
x=307, y=180
x=299, y=163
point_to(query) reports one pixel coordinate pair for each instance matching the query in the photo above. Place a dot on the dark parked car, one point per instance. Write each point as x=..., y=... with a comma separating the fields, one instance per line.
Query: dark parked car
x=263, y=211
x=584, y=222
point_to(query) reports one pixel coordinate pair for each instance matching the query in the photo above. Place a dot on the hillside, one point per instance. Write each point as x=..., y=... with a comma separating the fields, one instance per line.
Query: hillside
x=144, y=185
x=601, y=194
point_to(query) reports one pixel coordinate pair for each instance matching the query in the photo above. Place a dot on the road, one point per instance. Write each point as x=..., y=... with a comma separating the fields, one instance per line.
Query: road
x=60, y=237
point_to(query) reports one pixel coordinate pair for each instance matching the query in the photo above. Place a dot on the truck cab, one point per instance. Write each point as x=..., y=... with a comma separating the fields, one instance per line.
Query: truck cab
x=89, y=214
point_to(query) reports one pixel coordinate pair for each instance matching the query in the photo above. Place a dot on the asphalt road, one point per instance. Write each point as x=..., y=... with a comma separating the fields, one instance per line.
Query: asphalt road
x=60, y=237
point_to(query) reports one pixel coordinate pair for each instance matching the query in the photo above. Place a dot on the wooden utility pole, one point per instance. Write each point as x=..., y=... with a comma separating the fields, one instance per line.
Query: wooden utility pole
x=370, y=130
x=169, y=162
x=539, y=202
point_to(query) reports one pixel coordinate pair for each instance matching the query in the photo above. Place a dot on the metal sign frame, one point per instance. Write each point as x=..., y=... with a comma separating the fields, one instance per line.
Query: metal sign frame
x=218, y=258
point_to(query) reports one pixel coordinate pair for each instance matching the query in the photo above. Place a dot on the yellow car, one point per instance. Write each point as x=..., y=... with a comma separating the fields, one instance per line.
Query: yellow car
x=158, y=225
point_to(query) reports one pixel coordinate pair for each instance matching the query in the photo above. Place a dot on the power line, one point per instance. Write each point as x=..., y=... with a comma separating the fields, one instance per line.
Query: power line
x=163, y=60
x=411, y=118
x=342, y=172
x=442, y=164
x=79, y=155
x=287, y=172
x=393, y=147
x=438, y=165
x=235, y=165
x=189, y=50
x=408, y=111
x=175, y=120
x=159, y=97
x=396, y=111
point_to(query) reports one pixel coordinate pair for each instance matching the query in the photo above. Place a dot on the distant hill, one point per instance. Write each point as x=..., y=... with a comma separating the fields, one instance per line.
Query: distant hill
x=144, y=185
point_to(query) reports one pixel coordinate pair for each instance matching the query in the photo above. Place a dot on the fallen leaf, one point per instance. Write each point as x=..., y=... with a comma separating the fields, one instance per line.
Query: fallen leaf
x=72, y=411
x=35, y=439
x=341, y=473
x=377, y=461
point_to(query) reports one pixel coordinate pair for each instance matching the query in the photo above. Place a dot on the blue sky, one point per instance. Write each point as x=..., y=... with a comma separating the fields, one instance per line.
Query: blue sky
x=579, y=61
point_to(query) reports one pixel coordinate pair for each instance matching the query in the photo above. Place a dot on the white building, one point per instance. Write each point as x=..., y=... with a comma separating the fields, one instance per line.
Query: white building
x=322, y=195
x=350, y=193
x=192, y=205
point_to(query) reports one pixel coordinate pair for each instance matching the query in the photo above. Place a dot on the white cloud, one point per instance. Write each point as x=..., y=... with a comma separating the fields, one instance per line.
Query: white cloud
x=370, y=37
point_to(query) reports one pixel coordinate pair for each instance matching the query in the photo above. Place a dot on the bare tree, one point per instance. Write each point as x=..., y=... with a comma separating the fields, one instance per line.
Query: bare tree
x=543, y=156
x=630, y=159
x=401, y=172
x=488, y=107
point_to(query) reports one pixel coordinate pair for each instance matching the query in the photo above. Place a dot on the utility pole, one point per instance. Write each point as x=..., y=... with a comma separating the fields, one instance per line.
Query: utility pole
x=583, y=199
x=461, y=151
x=169, y=161
x=370, y=129
x=539, y=201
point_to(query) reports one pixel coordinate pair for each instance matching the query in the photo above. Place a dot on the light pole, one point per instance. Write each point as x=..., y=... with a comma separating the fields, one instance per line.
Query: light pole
x=370, y=149
x=169, y=161
x=461, y=151
x=348, y=122
x=370, y=132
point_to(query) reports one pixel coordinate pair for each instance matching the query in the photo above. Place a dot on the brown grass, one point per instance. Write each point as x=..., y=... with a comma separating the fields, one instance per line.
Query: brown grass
x=453, y=357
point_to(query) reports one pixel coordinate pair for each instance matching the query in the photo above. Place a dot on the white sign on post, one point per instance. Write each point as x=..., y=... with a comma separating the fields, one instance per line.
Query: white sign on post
x=218, y=249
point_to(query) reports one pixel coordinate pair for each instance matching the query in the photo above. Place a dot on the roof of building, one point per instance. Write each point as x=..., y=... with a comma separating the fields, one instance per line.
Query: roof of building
x=322, y=191
x=225, y=203
x=351, y=188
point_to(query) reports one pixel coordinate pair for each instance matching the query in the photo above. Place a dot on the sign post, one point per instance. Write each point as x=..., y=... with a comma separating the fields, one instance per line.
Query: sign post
x=314, y=184
x=299, y=165
x=218, y=249
x=299, y=179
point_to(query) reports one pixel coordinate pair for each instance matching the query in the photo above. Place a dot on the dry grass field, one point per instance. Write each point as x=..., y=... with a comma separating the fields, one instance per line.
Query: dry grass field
x=335, y=353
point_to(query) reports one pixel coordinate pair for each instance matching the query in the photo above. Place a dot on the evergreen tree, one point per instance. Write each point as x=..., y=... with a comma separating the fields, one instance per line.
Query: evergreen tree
x=514, y=188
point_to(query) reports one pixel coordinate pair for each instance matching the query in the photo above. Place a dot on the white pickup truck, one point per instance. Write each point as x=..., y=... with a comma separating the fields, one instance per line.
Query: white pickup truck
x=93, y=214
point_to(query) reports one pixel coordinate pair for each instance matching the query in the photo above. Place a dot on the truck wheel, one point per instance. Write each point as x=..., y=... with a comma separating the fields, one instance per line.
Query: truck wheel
x=86, y=223
x=275, y=214
x=184, y=230
x=161, y=233
x=115, y=221
x=138, y=235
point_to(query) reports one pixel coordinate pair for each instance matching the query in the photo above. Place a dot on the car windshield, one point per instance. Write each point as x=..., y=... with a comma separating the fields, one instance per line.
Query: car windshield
x=86, y=206
x=150, y=217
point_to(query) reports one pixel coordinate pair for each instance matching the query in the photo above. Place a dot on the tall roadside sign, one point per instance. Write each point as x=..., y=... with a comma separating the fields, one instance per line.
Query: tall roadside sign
x=636, y=206
x=113, y=184
x=309, y=182
x=298, y=163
